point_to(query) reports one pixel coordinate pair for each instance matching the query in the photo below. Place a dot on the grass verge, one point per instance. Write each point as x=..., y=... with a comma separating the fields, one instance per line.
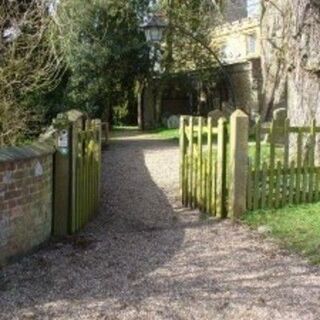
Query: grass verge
x=297, y=228
x=156, y=134
x=165, y=134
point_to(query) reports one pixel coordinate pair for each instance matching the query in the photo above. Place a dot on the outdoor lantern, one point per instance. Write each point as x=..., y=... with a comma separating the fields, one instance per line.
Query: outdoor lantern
x=154, y=28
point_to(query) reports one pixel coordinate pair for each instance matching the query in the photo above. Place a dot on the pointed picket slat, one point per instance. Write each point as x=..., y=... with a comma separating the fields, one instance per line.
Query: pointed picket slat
x=203, y=185
x=214, y=189
x=182, y=140
x=292, y=182
x=277, y=194
x=317, y=185
x=222, y=169
x=305, y=184
x=257, y=166
x=206, y=185
x=299, y=165
x=286, y=162
x=249, y=187
x=210, y=166
x=271, y=166
x=311, y=160
x=195, y=166
x=200, y=165
x=191, y=162
x=185, y=199
x=264, y=184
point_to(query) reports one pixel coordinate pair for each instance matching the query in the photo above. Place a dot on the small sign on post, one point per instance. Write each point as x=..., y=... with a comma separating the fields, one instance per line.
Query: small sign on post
x=62, y=178
x=63, y=142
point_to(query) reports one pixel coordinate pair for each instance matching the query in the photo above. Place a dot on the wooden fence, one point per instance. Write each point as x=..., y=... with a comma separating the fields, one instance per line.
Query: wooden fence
x=249, y=174
x=203, y=167
x=282, y=170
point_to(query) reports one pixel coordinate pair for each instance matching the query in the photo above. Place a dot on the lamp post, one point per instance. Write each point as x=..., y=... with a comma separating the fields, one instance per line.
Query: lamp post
x=154, y=28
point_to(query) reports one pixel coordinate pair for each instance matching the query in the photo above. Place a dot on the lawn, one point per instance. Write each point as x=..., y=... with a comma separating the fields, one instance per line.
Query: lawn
x=173, y=134
x=265, y=152
x=164, y=134
x=156, y=134
x=297, y=228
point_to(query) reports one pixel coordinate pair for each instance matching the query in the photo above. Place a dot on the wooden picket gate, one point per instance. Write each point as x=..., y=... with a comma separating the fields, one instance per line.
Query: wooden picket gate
x=77, y=170
x=87, y=171
x=203, y=169
x=283, y=170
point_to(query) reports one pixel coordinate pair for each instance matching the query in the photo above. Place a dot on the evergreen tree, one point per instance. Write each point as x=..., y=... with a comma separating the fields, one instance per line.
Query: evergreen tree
x=105, y=52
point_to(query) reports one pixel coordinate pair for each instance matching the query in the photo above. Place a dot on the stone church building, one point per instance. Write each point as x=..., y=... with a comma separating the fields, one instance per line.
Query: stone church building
x=238, y=41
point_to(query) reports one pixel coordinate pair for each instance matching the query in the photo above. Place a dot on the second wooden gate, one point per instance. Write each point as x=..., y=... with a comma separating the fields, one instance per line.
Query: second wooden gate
x=203, y=167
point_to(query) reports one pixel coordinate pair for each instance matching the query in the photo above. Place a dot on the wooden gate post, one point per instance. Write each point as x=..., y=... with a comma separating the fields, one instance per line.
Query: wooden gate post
x=64, y=171
x=98, y=126
x=182, y=157
x=222, y=169
x=76, y=127
x=239, y=134
x=62, y=180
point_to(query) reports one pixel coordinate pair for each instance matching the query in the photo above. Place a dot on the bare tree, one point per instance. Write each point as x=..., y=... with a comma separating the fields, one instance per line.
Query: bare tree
x=291, y=55
x=28, y=63
x=291, y=61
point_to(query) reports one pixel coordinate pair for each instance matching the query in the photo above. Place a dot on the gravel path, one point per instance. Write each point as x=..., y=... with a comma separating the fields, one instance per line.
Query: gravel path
x=145, y=257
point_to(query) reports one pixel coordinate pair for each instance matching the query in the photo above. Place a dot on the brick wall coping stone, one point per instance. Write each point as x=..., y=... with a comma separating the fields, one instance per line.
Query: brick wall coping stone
x=34, y=150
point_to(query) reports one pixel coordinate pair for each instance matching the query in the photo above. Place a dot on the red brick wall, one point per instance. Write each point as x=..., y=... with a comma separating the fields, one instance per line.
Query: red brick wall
x=25, y=199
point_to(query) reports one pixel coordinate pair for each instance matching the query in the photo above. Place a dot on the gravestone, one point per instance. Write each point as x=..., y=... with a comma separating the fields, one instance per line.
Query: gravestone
x=280, y=115
x=173, y=122
x=279, y=118
x=227, y=109
x=215, y=115
x=164, y=118
x=216, y=103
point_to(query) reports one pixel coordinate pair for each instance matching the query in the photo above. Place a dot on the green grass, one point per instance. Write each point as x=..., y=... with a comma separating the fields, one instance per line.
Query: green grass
x=164, y=134
x=173, y=134
x=265, y=152
x=125, y=128
x=156, y=134
x=297, y=228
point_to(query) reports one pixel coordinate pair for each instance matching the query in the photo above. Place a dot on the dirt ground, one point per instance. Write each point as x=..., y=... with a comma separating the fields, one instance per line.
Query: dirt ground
x=146, y=257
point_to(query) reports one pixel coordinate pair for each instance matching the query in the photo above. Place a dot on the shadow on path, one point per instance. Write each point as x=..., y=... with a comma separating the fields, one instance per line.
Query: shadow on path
x=136, y=231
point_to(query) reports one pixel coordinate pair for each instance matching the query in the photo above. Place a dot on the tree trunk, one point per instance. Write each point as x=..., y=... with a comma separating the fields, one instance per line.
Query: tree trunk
x=140, y=87
x=158, y=102
x=291, y=58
